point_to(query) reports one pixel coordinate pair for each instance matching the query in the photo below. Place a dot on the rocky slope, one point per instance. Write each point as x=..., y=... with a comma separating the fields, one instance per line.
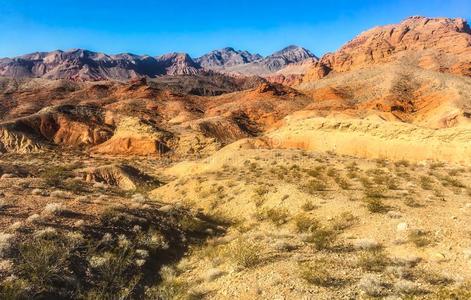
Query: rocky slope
x=394, y=92
x=227, y=57
x=261, y=66
x=440, y=44
x=83, y=65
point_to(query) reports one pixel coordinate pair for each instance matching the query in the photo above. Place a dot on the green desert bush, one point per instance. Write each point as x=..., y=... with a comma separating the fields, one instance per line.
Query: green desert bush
x=43, y=261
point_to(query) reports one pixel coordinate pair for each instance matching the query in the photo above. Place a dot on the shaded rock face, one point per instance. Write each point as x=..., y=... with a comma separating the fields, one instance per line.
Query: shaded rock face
x=87, y=65
x=124, y=177
x=439, y=44
x=226, y=57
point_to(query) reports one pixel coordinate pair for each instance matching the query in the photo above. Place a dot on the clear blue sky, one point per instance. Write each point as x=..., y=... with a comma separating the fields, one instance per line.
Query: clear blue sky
x=157, y=27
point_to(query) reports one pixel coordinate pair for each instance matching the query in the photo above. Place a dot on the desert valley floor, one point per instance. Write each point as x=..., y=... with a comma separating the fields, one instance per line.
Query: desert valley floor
x=281, y=177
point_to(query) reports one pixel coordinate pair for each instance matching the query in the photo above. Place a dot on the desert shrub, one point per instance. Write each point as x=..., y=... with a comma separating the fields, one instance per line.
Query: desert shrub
x=406, y=287
x=437, y=165
x=344, y=221
x=257, y=200
x=261, y=190
x=433, y=277
x=375, y=205
x=305, y=223
x=411, y=202
x=113, y=272
x=342, y=182
x=317, y=273
x=277, y=216
x=190, y=223
x=245, y=253
x=6, y=240
x=308, y=206
x=366, y=182
x=392, y=183
x=13, y=289
x=455, y=172
x=332, y=172
x=402, y=163
x=43, y=261
x=375, y=192
x=426, y=182
x=372, y=285
x=374, y=260
x=315, y=185
x=462, y=291
x=451, y=181
x=419, y=238
x=171, y=287
x=56, y=175
x=382, y=162
x=353, y=166
x=55, y=209
x=316, y=172
x=322, y=238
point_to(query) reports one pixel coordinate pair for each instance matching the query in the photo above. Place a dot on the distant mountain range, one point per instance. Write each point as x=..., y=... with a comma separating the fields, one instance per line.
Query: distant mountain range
x=439, y=44
x=80, y=64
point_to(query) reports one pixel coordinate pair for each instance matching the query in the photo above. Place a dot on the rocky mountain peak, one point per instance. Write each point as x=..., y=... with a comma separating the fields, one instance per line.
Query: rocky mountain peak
x=226, y=57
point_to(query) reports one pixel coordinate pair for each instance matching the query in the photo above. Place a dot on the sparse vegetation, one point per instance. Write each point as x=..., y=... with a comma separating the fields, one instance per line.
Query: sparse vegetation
x=322, y=238
x=308, y=206
x=244, y=253
x=344, y=221
x=419, y=238
x=315, y=185
x=317, y=273
x=305, y=223
x=375, y=205
x=373, y=260
x=426, y=183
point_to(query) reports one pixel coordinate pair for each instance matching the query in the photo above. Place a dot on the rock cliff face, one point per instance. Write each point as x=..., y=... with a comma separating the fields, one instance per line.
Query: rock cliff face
x=439, y=44
x=84, y=65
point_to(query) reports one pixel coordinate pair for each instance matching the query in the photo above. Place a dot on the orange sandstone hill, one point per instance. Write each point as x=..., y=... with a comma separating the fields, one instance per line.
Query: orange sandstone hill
x=439, y=44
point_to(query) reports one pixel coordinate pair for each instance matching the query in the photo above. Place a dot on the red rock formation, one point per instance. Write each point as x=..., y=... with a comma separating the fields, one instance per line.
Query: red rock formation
x=439, y=44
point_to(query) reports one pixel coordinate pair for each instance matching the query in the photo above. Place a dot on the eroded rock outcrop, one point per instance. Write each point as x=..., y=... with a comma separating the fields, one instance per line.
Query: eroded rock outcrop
x=124, y=177
x=65, y=126
x=134, y=136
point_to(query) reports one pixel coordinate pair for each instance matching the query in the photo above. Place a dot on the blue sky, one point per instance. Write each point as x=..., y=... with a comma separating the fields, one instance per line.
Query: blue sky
x=196, y=27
